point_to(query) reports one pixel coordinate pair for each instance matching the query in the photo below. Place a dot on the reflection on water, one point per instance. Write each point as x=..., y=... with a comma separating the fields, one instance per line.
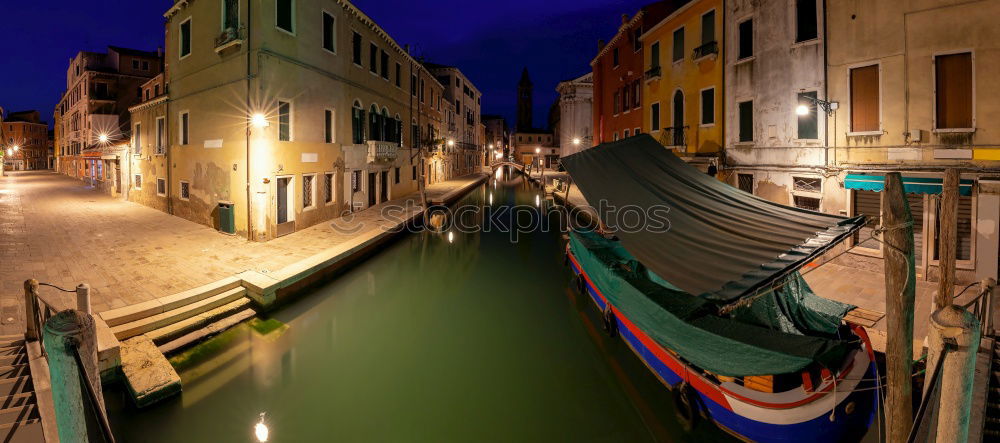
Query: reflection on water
x=452, y=336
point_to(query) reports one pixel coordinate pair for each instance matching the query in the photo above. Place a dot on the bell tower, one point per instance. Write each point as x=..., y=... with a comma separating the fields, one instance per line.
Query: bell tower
x=524, y=91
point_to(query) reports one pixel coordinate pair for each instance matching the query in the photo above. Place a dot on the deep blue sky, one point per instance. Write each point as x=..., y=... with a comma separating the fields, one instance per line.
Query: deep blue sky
x=489, y=41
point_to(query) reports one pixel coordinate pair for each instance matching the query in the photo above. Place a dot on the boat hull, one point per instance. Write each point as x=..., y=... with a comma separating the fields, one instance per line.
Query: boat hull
x=826, y=417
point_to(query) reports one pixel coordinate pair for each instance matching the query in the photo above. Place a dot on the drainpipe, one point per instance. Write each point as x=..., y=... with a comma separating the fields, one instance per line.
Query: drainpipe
x=250, y=234
x=826, y=95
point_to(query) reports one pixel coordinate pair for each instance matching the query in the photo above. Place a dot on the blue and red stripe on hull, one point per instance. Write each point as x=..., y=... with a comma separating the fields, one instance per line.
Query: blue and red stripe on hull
x=833, y=426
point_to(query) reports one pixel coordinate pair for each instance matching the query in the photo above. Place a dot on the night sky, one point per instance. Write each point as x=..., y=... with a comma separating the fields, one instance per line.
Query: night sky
x=489, y=41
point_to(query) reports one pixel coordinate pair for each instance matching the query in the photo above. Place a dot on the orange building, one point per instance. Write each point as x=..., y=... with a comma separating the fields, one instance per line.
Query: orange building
x=618, y=74
x=25, y=141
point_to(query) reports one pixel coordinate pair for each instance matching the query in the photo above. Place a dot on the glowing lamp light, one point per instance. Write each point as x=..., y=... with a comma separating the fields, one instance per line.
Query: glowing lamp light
x=491, y=145
x=576, y=141
x=17, y=148
x=451, y=143
x=451, y=237
x=260, y=429
x=259, y=121
x=103, y=138
x=802, y=110
x=538, y=150
x=10, y=151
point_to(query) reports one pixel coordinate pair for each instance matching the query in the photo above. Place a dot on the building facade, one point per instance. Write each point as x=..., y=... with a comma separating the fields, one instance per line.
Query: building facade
x=534, y=145
x=100, y=87
x=912, y=97
x=468, y=134
x=25, y=141
x=576, y=101
x=618, y=74
x=683, y=79
x=497, y=136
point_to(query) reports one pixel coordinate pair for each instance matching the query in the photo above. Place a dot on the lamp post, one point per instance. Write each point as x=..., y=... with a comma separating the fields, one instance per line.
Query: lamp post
x=826, y=106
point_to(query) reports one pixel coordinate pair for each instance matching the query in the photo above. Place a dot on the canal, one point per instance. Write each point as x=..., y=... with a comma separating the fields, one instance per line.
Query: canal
x=437, y=337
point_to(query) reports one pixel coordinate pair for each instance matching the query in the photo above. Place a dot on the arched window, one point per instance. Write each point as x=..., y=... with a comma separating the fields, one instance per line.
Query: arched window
x=386, y=126
x=374, y=123
x=358, y=123
x=678, y=120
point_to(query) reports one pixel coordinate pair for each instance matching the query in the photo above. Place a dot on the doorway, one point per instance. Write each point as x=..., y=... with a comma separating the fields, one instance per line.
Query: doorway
x=678, y=121
x=384, y=191
x=371, y=189
x=283, y=195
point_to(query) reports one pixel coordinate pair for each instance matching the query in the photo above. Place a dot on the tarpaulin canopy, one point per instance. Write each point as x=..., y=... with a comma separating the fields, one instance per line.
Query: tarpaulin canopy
x=911, y=185
x=722, y=243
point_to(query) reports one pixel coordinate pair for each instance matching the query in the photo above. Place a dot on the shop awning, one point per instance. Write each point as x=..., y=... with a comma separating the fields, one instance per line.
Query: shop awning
x=912, y=185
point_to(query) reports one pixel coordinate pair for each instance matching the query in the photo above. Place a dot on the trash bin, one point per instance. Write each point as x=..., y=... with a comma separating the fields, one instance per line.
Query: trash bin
x=227, y=221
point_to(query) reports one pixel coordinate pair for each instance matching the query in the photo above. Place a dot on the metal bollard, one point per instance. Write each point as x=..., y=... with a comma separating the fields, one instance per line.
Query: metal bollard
x=83, y=298
x=955, y=325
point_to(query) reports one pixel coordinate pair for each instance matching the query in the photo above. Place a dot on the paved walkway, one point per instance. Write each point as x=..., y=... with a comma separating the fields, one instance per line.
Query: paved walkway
x=56, y=229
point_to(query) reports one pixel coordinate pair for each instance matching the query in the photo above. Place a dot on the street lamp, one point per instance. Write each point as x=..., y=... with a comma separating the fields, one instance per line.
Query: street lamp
x=804, y=108
x=258, y=120
x=17, y=148
x=103, y=138
x=576, y=141
x=451, y=143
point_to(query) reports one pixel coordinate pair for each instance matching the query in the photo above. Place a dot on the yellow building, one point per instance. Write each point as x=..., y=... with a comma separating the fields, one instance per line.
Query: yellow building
x=682, y=86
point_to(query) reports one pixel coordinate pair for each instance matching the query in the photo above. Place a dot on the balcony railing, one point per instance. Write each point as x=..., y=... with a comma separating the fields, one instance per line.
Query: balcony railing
x=705, y=50
x=675, y=137
x=228, y=38
x=653, y=72
x=381, y=152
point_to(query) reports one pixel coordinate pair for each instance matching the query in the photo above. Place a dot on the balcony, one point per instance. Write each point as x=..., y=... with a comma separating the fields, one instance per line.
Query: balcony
x=674, y=138
x=708, y=49
x=654, y=72
x=382, y=152
x=229, y=38
x=103, y=96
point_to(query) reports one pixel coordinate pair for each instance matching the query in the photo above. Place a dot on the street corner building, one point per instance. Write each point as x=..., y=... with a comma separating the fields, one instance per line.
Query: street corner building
x=24, y=141
x=262, y=119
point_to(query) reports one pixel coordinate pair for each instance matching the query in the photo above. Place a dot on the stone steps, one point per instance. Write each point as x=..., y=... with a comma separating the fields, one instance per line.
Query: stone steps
x=19, y=416
x=173, y=331
x=132, y=313
x=179, y=315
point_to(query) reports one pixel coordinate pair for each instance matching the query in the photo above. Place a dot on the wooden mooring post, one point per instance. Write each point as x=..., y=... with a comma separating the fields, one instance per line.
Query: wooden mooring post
x=66, y=334
x=900, y=285
x=943, y=297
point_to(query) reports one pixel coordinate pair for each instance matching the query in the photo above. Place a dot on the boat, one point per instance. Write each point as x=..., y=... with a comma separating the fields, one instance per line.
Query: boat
x=715, y=305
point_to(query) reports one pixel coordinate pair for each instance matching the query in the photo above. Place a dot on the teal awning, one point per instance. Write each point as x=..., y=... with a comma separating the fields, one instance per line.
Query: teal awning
x=912, y=185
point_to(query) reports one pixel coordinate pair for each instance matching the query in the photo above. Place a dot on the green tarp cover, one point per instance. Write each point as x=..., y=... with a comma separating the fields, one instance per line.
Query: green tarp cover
x=722, y=243
x=783, y=332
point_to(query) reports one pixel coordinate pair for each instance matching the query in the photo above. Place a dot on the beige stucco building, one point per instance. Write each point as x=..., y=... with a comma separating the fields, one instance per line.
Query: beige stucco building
x=911, y=83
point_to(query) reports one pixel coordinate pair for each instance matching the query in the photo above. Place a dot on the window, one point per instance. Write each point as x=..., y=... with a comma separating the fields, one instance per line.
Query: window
x=807, y=184
x=308, y=198
x=397, y=175
x=809, y=203
x=185, y=190
x=413, y=173
x=230, y=14
x=385, y=65
x=138, y=181
x=626, y=95
x=135, y=63
x=161, y=187
x=805, y=20
x=329, y=32
x=654, y=117
x=356, y=181
x=156, y=90
x=185, y=44
x=614, y=57
x=399, y=75
x=137, y=139
x=356, y=48
x=160, y=135
x=626, y=133
x=328, y=188
x=285, y=15
x=708, y=106
x=953, y=91
x=617, y=102
x=678, y=45
x=635, y=131
x=809, y=123
x=413, y=85
x=373, y=58
x=708, y=27
x=865, y=99
x=615, y=136
x=284, y=121
x=328, y=123
x=744, y=35
x=636, y=43
x=145, y=66
x=746, y=121
x=422, y=90
x=745, y=182
x=636, y=102
x=184, y=122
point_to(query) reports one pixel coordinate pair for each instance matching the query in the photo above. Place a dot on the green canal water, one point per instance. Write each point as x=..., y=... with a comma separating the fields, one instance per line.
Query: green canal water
x=472, y=339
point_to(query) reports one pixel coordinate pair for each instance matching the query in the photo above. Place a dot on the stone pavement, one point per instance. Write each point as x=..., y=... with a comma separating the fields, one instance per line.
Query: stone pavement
x=58, y=230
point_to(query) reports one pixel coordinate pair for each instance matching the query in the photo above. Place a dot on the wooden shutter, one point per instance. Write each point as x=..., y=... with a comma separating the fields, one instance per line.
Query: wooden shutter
x=865, y=99
x=953, y=90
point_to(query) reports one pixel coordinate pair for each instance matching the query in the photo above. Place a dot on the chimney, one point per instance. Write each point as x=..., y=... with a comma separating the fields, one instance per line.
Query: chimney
x=159, y=51
x=407, y=48
x=624, y=19
x=600, y=44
